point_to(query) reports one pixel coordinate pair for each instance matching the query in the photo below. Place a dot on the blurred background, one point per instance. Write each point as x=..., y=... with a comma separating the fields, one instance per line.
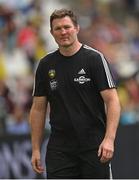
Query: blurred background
x=111, y=26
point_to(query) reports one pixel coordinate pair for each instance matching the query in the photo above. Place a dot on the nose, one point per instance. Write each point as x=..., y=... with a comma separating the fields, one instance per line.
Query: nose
x=63, y=31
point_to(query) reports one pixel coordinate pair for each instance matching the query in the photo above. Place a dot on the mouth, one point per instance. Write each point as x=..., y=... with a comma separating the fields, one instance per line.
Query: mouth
x=64, y=38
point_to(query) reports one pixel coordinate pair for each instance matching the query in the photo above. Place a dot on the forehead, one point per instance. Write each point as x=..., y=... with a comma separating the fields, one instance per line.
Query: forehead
x=62, y=21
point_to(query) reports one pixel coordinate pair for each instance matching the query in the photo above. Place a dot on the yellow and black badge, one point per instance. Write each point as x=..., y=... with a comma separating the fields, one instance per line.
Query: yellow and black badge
x=51, y=73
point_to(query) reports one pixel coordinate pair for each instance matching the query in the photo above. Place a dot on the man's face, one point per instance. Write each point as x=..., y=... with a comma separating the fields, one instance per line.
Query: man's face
x=64, y=31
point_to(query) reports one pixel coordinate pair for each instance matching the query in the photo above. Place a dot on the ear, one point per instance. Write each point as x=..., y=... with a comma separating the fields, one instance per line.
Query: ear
x=78, y=28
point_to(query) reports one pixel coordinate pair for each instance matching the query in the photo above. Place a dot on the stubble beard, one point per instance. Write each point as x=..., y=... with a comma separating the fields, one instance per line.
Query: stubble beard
x=66, y=46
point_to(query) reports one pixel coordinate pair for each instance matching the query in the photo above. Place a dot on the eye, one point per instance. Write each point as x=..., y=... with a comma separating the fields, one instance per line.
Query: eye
x=67, y=27
x=57, y=28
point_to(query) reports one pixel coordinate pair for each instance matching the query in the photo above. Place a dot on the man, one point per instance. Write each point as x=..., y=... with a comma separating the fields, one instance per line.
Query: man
x=76, y=81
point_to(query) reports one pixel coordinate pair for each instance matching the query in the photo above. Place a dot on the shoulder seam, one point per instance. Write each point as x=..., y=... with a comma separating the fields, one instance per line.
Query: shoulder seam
x=105, y=65
x=90, y=48
x=51, y=52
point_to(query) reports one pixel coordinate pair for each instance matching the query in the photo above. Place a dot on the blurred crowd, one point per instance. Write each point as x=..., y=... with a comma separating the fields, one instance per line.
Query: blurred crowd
x=110, y=26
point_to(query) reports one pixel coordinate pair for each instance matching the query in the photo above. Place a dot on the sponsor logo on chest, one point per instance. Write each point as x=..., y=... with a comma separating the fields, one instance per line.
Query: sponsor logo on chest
x=82, y=78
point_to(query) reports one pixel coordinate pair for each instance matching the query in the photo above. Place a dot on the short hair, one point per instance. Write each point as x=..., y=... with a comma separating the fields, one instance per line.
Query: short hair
x=57, y=14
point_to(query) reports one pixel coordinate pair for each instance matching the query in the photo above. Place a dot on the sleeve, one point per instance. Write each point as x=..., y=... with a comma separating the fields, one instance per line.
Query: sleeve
x=39, y=88
x=102, y=75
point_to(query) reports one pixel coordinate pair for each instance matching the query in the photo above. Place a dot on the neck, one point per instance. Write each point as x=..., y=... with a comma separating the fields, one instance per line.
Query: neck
x=70, y=50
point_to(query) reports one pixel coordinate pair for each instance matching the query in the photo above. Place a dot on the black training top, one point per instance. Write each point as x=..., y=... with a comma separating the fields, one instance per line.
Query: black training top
x=72, y=85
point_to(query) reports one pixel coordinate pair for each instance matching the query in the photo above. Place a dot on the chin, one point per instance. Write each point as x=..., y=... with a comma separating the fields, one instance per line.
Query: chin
x=66, y=44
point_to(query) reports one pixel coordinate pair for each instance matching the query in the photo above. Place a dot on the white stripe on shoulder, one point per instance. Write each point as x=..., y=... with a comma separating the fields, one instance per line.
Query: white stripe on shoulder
x=107, y=70
x=52, y=51
x=49, y=53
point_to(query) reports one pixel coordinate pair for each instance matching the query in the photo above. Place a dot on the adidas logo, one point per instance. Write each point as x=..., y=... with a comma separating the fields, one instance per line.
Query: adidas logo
x=82, y=71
